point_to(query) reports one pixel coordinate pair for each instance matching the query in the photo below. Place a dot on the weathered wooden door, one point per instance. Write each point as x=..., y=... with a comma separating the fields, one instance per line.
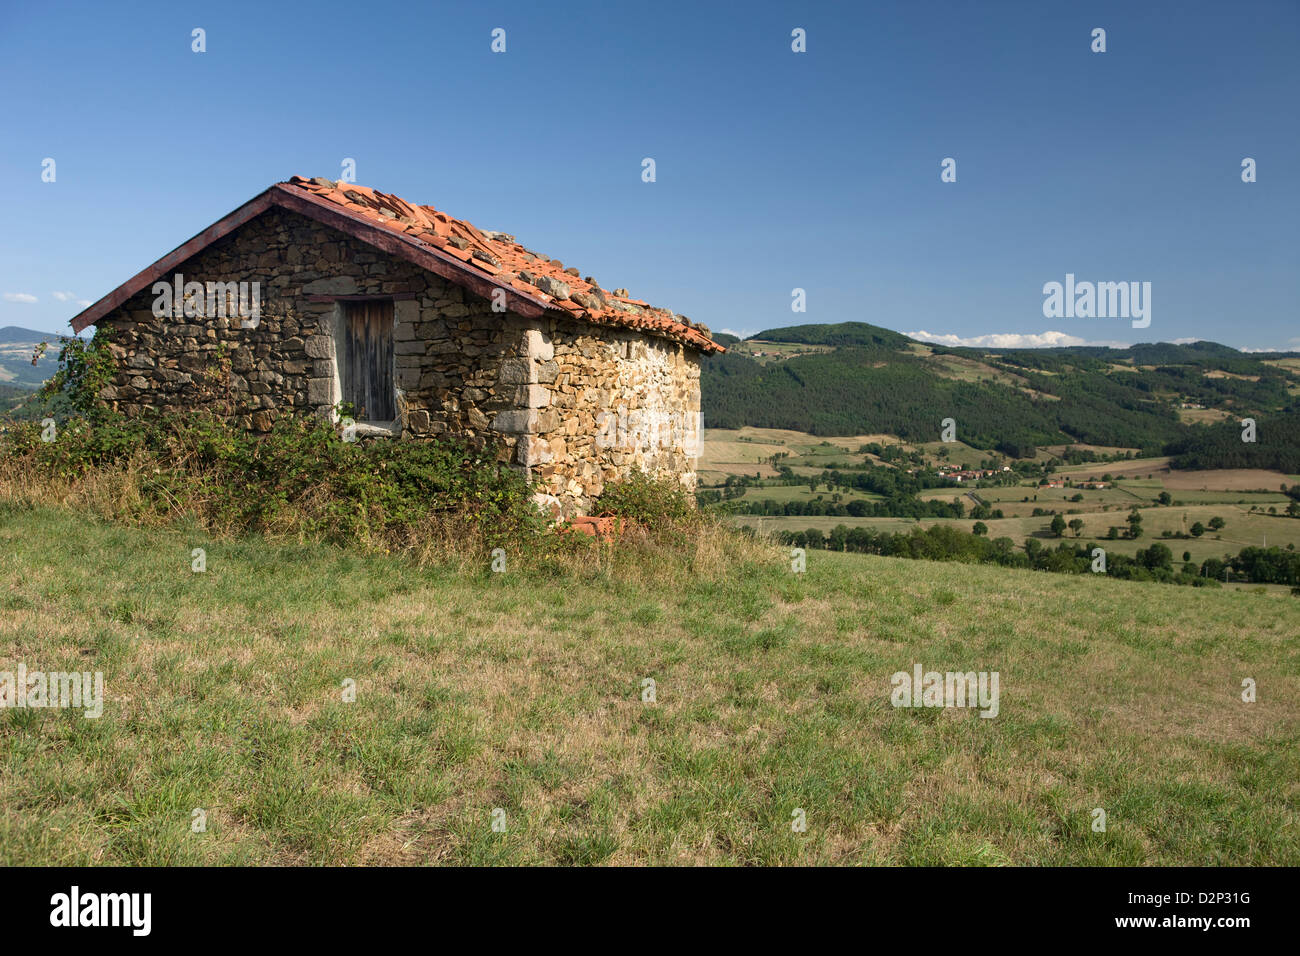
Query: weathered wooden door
x=367, y=378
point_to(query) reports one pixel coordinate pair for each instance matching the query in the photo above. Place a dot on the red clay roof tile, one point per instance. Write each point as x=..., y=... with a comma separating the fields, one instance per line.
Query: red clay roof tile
x=434, y=241
x=428, y=225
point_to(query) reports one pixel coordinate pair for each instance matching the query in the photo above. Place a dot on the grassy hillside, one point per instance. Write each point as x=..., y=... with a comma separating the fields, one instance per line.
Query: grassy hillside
x=17, y=348
x=522, y=691
x=13, y=399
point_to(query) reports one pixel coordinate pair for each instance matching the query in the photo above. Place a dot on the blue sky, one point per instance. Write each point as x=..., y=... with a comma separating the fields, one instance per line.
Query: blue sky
x=774, y=169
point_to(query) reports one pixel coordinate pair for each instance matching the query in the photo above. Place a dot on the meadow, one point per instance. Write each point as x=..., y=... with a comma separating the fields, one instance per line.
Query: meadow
x=522, y=692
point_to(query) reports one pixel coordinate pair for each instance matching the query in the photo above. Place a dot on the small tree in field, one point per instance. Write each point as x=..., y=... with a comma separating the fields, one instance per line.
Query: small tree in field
x=1076, y=525
x=1058, y=526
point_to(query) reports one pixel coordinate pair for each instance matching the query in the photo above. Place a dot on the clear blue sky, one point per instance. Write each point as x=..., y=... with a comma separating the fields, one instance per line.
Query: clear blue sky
x=775, y=170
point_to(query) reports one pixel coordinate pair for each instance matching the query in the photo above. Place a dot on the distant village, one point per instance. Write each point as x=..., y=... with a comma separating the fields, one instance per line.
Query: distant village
x=972, y=474
x=959, y=475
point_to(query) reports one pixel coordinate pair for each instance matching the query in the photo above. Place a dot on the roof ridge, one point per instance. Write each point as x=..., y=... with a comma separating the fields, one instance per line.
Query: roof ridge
x=504, y=259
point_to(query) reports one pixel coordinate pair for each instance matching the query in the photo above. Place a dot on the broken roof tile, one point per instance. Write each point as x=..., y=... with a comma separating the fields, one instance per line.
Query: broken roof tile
x=500, y=254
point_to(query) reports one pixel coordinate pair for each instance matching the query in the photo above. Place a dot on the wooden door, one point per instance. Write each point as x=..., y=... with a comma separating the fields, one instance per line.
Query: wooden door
x=367, y=374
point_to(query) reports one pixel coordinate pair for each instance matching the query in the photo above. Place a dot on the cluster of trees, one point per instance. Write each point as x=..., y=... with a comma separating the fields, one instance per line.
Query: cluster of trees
x=1265, y=565
x=889, y=482
x=893, y=454
x=1154, y=563
x=1276, y=445
x=897, y=488
x=1084, y=456
x=1134, y=519
x=900, y=507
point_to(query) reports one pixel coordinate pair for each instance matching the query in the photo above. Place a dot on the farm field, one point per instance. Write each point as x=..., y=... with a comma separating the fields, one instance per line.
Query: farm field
x=1223, y=479
x=784, y=493
x=1198, y=495
x=1123, y=496
x=1136, y=468
x=1242, y=529
x=744, y=451
x=1009, y=497
x=764, y=352
x=522, y=692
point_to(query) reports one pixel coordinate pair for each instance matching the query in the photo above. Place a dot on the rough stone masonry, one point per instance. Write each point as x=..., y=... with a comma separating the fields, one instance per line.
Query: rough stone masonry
x=570, y=396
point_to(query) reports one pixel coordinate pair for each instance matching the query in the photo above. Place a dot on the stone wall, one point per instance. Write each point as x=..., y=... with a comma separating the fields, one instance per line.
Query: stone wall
x=573, y=404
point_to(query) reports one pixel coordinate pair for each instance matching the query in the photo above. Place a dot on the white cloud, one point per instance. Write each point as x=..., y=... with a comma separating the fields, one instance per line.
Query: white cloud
x=1186, y=341
x=71, y=297
x=19, y=297
x=1011, y=340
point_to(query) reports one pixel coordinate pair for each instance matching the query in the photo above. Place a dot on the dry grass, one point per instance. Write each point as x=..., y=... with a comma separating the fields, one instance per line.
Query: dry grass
x=522, y=691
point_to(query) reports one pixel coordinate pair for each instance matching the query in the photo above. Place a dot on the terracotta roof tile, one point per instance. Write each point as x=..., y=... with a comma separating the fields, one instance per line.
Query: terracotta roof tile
x=506, y=260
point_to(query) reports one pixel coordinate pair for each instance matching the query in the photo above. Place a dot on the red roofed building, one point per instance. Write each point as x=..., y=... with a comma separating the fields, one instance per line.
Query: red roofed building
x=337, y=300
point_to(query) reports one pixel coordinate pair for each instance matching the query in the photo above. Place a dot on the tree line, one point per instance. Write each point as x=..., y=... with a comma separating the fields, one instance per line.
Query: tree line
x=1155, y=563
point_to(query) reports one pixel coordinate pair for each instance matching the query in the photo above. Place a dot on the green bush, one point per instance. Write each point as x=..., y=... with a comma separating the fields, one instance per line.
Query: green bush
x=85, y=367
x=649, y=501
x=301, y=477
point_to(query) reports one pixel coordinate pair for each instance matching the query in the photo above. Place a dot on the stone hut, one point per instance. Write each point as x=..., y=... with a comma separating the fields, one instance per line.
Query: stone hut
x=396, y=320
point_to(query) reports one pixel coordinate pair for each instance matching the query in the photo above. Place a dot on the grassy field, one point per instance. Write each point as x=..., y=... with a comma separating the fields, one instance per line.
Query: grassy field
x=784, y=493
x=745, y=451
x=764, y=352
x=1241, y=529
x=522, y=691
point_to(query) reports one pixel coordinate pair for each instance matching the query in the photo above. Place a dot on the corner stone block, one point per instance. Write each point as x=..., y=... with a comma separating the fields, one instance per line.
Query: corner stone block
x=319, y=391
x=516, y=421
x=532, y=451
x=534, y=396
x=516, y=372
x=538, y=346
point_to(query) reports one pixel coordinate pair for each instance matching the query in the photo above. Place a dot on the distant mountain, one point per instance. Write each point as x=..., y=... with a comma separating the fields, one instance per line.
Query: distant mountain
x=17, y=346
x=855, y=378
x=13, y=333
x=845, y=333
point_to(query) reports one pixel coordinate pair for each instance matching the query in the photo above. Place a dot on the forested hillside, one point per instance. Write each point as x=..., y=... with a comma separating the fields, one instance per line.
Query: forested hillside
x=844, y=334
x=1276, y=446
x=872, y=380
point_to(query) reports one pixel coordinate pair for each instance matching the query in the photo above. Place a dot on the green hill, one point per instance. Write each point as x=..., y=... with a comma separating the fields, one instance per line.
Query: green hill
x=855, y=378
x=17, y=346
x=842, y=334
